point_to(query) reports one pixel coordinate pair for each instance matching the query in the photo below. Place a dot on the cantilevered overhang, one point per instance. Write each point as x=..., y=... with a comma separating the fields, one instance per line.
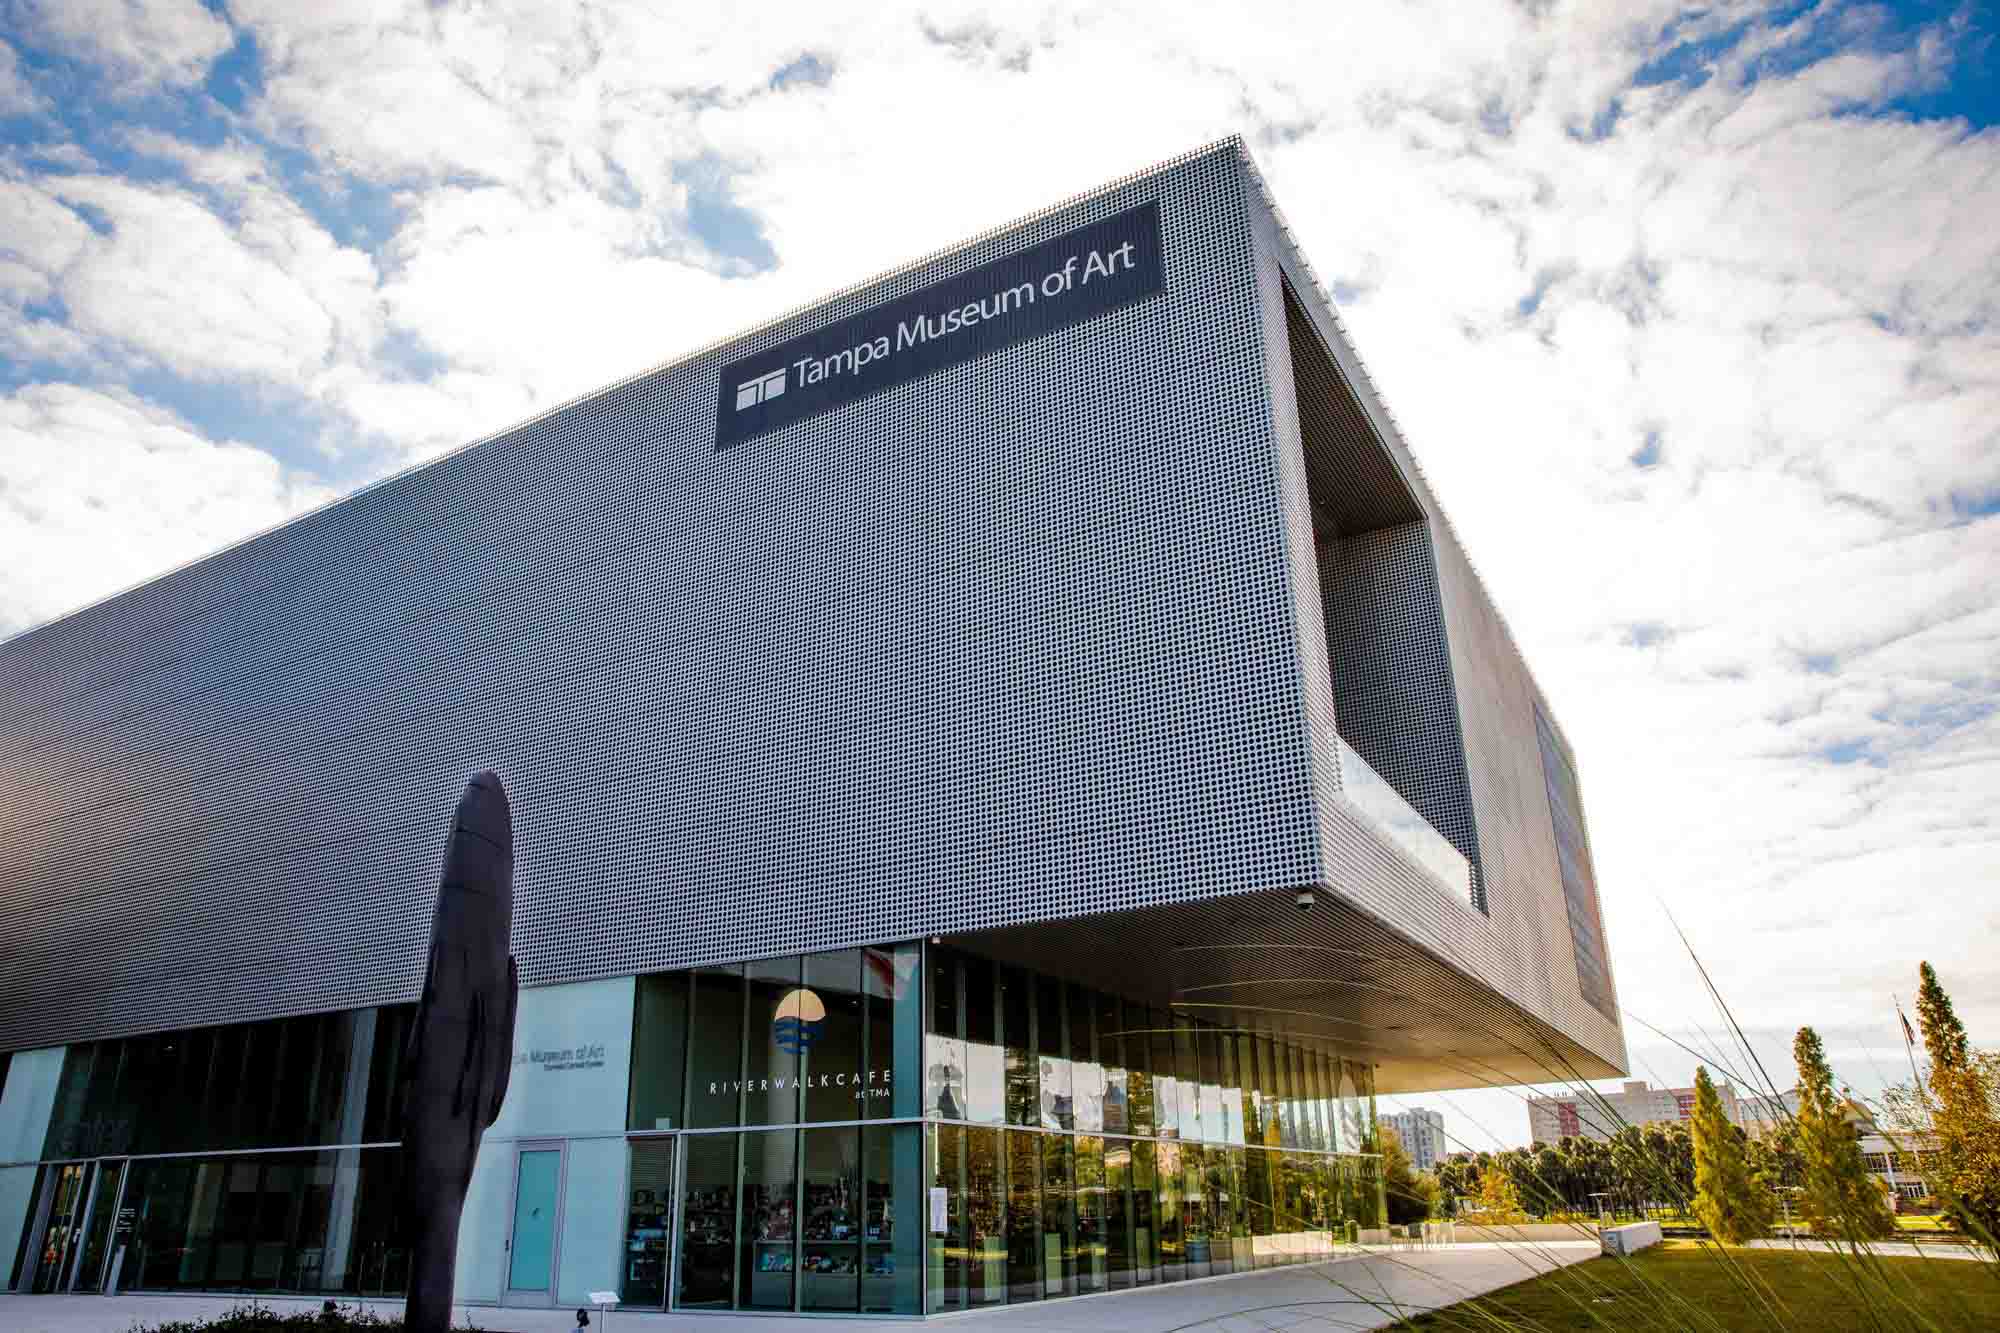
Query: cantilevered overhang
x=1331, y=976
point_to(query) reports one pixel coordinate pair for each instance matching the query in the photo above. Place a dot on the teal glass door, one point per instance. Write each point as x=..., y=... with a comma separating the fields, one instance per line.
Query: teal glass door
x=531, y=1246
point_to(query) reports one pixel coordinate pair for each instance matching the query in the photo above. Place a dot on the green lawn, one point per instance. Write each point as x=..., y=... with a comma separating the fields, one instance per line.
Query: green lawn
x=1683, y=1285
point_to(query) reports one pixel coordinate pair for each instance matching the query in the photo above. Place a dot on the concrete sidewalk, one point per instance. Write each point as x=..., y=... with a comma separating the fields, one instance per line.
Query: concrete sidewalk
x=1886, y=1249
x=1362, y=1292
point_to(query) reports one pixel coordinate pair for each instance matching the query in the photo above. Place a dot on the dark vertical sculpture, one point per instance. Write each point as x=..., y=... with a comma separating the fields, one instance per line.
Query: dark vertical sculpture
x=455, y=1069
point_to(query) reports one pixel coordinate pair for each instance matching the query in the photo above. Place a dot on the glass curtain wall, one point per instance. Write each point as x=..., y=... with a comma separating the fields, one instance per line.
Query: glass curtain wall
x=796, y=1084
x=243, y=1169
x=1081, y=1143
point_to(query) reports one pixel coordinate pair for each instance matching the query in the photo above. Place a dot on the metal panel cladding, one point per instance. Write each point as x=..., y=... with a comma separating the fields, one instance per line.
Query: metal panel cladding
x=1006, y=641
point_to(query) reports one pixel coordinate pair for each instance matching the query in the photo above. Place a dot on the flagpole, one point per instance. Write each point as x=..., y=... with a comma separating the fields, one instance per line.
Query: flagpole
x=1910, y=1049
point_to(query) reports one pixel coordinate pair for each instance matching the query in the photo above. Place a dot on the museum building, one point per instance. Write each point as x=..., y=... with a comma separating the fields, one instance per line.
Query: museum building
x=1007, y=763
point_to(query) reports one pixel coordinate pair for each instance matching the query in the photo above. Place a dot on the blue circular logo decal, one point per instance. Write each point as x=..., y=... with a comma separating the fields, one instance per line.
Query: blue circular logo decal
x=798, y=1022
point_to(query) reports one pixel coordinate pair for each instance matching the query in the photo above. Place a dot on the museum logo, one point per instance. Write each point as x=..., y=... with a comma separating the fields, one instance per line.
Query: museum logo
x=761, y=390
x=798, y=1022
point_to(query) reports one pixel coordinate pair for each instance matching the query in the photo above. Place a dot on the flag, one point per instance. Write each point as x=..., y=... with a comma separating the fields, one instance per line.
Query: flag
x=886, y=972
x=1909, y=1036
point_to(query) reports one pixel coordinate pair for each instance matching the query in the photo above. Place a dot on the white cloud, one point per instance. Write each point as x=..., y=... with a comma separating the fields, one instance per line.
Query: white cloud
x=235, y=284
x=99, y=490
x=140, y=44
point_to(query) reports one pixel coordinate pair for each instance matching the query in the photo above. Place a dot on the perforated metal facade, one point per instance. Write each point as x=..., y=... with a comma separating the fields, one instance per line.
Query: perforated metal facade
x=1062, y=632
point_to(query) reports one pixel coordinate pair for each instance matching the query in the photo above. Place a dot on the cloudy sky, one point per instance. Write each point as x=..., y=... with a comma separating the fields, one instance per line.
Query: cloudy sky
x=1691, y=314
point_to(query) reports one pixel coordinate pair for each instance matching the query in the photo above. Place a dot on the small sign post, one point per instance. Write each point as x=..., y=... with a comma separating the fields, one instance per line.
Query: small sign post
x=604, y=1300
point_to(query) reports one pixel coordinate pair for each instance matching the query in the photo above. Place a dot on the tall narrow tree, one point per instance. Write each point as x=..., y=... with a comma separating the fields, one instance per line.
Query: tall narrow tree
x=1729, y=1198
x=1944, y=1035
x=1841, y=1200
x=1964, y=1166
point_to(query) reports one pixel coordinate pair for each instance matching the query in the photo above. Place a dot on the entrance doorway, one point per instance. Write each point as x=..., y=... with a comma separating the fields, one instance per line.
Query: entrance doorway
x=649, y=1224
x=535, y=1234
x=79, y=1224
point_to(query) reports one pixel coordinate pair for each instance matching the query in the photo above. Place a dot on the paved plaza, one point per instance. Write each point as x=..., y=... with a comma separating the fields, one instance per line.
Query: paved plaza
x=1366, y=1291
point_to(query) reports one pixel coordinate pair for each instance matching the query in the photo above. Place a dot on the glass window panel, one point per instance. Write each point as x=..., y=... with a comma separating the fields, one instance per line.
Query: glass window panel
x=1242, y=1257
x=383, y=1117
x=330, y=1088
x=1329, y=1083
x=944, y=1043
x=214, y=1081
x=1246, y=1076
x=1111, y=1055
x=1166, y=1082
x=649, y=1211
x=985, y=1061
x=1196, y=1209
x=1322, y=1136
x=1058, y=1091
x=159, y=1195
x=198, y=1259
x=891, y=984
x=235, y=1213
x=66, y=1135
x=1086, y=1071
x=1323, y=1133
x=1346, y=1113
x=1118, y=1244
x=271, y=1233
x=64, y=1187
x=1024, y=1216
x=1277, y=1114
x=1092, y=1214
x=1231, y=1084
x=780, y=1025
x=236, y=1088
x=1329, y=1187
x=1138, y=1044
x=89, y=1274
x=950, y=1273
x=1214, y=1121
x=708, y=1222
x=1222, y=1198
x=1172, y=1199
x=1301, y=1097
x=1058, y=1215
x=892, y=1220
x=1263, y=1205
x=830, y=1249
x=1298, y=1207
x=1187, y=1064
x=831, y=1046
x=715, y=1054
x=1364, y=1091
x=371, y=1257
x=659, y=1051
x=1024, y=1101
x=767, y=1253
x=147, y=1081
x=985, y=1218
x=290, y=1123
x=1145, y=1211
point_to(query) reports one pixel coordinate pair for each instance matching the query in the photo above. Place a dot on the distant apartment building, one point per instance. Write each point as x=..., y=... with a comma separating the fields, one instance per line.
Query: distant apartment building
x=1601, y=1115
x=1760, y=1115
x=1421, y=1133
